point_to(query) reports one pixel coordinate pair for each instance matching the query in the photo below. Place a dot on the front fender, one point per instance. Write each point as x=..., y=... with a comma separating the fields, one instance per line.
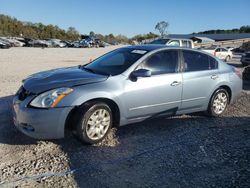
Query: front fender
x=90, y=96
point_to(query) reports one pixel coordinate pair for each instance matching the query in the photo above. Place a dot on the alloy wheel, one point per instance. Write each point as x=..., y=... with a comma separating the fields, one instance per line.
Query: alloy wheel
x=98, y=124
x=220, y=103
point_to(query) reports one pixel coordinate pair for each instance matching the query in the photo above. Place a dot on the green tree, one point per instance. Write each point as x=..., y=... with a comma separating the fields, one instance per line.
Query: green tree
x=92, y=34
x=12, y=27
x=161, y=27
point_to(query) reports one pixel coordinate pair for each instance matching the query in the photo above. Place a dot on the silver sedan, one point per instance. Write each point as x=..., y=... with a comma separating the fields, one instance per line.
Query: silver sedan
x=125, y=86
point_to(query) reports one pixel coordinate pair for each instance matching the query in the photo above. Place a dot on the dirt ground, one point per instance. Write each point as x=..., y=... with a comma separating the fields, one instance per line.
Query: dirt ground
x=184, y=151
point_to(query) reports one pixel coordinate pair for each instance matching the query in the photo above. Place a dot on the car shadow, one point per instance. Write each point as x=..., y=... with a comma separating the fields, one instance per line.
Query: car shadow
x=8, y=133
x=189, y=150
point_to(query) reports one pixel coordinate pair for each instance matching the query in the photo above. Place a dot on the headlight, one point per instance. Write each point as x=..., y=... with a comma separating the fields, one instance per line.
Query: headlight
x=50, y=98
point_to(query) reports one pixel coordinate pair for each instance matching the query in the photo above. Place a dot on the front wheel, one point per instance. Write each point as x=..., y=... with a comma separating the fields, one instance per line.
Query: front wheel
x=94, y=123
x=218, y=102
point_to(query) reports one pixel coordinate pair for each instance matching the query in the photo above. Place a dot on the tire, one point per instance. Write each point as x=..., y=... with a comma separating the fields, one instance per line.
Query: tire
x=94, y=122
x=218, y=103
x=227, y=58
x=244, y=64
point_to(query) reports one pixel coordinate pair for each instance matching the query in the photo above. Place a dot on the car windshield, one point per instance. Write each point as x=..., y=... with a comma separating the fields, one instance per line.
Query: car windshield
x=115, y=62
x=159, y=41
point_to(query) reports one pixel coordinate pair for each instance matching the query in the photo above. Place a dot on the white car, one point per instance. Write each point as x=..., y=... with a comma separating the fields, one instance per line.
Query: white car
x=187, y=43
x=56, y=43
x=220, y=52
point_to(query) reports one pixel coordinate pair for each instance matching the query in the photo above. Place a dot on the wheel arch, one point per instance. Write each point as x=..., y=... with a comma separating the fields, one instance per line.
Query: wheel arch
x=222, y=86
x=72, y=116
x=229, y=91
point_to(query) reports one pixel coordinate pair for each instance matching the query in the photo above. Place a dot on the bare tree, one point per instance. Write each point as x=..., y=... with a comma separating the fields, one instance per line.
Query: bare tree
x=161, y=27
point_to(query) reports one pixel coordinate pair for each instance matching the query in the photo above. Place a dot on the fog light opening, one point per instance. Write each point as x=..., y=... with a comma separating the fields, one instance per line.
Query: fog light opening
x=27, y=127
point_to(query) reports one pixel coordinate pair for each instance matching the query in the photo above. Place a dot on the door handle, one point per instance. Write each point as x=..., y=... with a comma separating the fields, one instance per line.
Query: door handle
x=175, y=83
x=214, y=76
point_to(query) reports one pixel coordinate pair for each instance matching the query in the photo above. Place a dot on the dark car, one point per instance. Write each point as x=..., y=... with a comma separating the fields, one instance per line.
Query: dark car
x=4, y=45
x=245, y=59
x=38, y=43
x=238, y=50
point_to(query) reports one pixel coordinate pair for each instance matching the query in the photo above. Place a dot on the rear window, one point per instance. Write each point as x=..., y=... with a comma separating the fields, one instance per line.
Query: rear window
x=159, y=41
x=195, y=61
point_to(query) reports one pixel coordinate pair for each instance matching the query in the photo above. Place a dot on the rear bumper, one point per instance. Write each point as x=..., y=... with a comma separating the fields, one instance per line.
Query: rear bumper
x=39, y=123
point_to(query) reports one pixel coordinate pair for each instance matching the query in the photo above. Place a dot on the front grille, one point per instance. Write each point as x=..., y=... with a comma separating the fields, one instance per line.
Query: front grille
x=22, y=93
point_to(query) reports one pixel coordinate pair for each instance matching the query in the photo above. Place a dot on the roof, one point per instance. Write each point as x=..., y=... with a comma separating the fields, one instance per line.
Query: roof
x=217, y=37
x=204, y=39
x=147, y=47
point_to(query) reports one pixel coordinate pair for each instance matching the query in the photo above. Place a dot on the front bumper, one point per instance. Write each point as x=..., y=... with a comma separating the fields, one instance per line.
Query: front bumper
x=39, y=123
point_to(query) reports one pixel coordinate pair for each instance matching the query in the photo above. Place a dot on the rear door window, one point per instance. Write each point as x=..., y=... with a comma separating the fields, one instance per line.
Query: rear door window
x=196, y=61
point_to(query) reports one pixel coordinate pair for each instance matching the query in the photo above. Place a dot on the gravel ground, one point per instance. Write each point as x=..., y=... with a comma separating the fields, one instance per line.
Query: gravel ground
x=184, y=151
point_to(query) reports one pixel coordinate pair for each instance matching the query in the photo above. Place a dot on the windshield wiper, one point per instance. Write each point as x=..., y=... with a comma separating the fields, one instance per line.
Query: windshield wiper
x=93, y=71
x=87, y=69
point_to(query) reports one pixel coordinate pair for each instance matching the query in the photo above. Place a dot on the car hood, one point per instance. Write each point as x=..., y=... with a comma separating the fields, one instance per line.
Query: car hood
x=63, y=77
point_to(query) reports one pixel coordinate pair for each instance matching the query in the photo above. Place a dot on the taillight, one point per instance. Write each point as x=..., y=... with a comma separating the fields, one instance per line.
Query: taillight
x=238, y=72
x=214, y=53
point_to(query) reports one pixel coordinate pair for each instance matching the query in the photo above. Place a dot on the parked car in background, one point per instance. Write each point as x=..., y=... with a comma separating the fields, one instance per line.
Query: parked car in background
x=57, y=43
x=219, y=52
x=99, y=43
x=68, y=44
x=124, y=86
x=38, y=43
x=4, y=45
x=85, y=43
x=238, y=51
x=245, y=59
x=230, y=48
x=12, y=41
x=187, y=43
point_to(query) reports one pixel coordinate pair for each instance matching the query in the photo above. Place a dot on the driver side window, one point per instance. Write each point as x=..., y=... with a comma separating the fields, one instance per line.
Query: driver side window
x=162, y=62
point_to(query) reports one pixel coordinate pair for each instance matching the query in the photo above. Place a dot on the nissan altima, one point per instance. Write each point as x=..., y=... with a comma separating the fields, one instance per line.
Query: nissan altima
x=127, y=85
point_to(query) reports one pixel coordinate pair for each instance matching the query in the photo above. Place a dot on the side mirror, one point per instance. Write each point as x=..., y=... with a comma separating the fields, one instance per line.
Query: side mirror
x=141, y=73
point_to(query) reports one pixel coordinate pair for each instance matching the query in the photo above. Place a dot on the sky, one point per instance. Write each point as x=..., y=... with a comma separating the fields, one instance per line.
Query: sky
x=131, y=17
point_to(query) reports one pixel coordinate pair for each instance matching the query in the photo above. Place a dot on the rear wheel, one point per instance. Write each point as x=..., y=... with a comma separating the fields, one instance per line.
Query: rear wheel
x=95, y=121
x=218, y=102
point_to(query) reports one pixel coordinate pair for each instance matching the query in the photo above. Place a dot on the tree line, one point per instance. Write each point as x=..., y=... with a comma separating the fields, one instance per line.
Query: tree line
x=243, y=29
x=12, y=27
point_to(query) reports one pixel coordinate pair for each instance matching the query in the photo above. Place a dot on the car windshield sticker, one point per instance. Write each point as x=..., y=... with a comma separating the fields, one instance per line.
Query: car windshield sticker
x=139, y=52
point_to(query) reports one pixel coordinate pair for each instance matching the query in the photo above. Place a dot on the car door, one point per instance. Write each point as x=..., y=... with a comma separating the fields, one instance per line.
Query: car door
x=224, y=53
x=218, y=52
x=158, y=94
x=200, y=74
